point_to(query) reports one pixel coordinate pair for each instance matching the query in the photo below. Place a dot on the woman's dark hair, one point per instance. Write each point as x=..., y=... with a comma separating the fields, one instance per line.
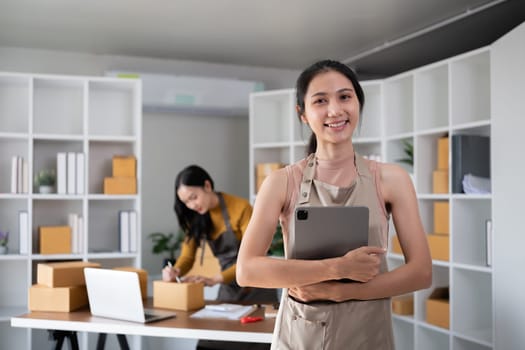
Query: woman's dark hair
x=195, y=225
x=311, y=72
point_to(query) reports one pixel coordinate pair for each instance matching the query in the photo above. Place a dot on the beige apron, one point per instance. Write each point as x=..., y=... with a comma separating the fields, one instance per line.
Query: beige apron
x=363, y=325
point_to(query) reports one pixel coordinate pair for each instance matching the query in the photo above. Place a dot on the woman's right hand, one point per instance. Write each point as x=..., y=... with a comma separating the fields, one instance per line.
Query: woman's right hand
x=170, y=274
x=361, y=264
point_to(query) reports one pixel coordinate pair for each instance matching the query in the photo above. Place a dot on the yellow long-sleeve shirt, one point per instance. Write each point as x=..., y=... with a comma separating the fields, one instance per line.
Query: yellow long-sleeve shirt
x=240, y=211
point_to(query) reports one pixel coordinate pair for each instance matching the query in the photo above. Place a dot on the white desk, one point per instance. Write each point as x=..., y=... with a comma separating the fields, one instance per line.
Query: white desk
x=181, y=326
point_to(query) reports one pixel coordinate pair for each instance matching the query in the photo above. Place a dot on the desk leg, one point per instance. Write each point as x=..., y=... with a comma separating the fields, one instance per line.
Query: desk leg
x=59, y=336
x=101, y=342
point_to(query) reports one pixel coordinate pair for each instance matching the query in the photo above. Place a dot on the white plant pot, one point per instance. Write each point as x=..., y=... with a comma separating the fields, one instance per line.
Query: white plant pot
x=3, y=249
x=45, y=189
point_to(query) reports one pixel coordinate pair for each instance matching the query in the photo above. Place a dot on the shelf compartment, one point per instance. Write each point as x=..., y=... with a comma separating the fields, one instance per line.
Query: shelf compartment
x=368, y=149
x=440, y=278
x=16, y=295
x=14, y=104
x=469, y=226
x=472, y=305
x=399, y=104
x=8, y=149
x=404, y=332
x=370, y=121
x=103, y=225
x=13, y=337
x=426, y=161
x=430, y=338
x=460, y=343
x=470, y=88
x=9, y=209
x=100, y=162
x=271, y=117
x=395, y=152
x=111, y=103
x=52, y=213
x=58, y=106
x=431, y=98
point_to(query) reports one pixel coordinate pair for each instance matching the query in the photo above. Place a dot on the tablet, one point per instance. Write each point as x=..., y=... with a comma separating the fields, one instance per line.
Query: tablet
x=328, y=232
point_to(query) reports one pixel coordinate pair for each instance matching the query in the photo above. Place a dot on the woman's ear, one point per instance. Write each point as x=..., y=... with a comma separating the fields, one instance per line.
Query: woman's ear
x=207, y=186
x=301, y=115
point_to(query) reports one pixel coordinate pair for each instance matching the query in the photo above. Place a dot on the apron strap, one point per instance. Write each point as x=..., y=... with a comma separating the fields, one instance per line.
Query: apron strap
x=306, y=182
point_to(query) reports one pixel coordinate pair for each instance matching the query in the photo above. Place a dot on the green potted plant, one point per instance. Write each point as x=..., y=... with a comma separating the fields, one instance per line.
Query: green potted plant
x=4, y=239
x=277, y=245
x=167, y=244
x=408, y=149
x=45, y=181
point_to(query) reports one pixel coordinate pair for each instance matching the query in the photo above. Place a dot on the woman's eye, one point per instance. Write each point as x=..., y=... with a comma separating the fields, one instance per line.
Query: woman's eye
x=319, y=101
x=346, y=97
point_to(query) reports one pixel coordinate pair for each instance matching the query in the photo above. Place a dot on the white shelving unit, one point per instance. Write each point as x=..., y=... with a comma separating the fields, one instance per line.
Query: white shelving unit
x=41, y=115
x=449, y=97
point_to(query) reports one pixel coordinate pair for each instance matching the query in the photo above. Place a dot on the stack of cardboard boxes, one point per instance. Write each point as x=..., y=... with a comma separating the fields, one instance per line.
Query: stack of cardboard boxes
x=60, y=287
x=438, y=308
x=440, y=175
x=124, y=179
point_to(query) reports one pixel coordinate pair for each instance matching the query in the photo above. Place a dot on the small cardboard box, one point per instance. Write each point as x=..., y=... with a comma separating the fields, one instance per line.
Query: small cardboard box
x=439, y=246
x=124, y=166
x=55, y=239
x=442, y=163
x=63, y=299
x=264, y=169
x=403, y=305
x=396, y=246
x=120, y=185
x=178, y=296
x=143, y=278
x=438, y=308
x=63, y=274
x=440, y=181
x=441, y=217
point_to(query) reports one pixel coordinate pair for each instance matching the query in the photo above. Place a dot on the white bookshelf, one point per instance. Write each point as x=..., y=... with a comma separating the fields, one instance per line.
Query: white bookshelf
x=41, y=115
x=449, y=97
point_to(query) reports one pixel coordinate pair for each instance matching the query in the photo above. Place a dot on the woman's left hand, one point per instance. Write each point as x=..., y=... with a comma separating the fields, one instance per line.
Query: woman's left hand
x=318, y=291
x=207, y=281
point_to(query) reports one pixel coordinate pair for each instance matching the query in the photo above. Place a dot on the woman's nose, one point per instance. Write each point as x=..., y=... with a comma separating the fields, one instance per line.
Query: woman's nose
x=334, y=109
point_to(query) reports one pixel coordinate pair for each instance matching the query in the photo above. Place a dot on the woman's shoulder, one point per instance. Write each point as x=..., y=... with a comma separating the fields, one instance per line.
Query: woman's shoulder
x=393, y=178
x=234, y=200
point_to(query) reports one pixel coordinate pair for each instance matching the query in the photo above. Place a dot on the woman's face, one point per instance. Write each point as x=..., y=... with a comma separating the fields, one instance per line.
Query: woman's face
x=196, y=198
x=331, y=107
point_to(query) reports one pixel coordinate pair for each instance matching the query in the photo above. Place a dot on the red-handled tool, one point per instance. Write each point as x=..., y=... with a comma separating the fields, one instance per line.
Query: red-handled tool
x=250, y=319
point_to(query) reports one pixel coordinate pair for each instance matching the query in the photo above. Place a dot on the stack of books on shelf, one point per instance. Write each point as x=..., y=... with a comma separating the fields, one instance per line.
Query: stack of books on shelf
x=471, y=164
x=19, y=173
x=124, y=179
x=60, y=287
x=70, y=173
x=76, y=222
x=128, y=227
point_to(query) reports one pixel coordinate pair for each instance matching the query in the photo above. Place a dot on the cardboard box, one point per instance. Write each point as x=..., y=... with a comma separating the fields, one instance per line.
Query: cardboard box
x=440, y=181
x=143, y=278
x=178, y=296
x=264, y=169
x=210, y=264
x=441, y=217
x=403, y=305
x=120, y=185
x=439, y=246
x=442, y=163
x=396, y=246
x=55, y=239
x=438, y=308
x=63, y=299
x=63, y=274
x=124, y=166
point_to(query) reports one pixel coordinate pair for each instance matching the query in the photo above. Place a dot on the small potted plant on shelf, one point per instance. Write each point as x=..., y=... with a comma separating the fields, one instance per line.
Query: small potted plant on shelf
x=168, y=244
x=45, y=181
x=4, y=239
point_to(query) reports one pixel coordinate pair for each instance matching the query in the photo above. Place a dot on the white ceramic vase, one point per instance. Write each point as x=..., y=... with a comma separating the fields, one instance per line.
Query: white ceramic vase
x=3, y=249
x=45, y=189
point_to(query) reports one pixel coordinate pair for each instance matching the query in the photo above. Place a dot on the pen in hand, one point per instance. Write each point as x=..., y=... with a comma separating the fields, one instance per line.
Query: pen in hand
x=177, y=278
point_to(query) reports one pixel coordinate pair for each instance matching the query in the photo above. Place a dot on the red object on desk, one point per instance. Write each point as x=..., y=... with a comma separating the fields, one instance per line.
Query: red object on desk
x=250, y=319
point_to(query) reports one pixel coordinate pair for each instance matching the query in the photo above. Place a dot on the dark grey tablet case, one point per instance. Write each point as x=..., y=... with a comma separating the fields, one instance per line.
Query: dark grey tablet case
x=327, y=232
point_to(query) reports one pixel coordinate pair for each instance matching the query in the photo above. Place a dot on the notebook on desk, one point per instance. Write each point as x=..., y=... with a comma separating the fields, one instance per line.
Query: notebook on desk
x=328, y=232
x=116, y=294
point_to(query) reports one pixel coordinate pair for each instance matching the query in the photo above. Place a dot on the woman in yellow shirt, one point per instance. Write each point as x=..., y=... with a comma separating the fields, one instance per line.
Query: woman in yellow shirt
x=220, y=219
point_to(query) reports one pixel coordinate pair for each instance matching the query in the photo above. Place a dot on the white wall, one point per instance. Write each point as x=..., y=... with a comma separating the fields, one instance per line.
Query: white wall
x=170, y=141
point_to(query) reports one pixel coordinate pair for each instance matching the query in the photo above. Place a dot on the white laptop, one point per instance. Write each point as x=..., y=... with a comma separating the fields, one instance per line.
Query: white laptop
x=116, y=294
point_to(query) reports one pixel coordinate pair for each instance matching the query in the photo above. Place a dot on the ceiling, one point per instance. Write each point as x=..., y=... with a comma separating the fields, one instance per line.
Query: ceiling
x=376, y=37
